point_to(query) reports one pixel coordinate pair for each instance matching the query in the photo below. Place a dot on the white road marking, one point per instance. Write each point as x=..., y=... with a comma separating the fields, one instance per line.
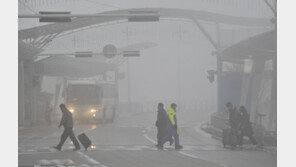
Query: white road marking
x=93, y=127
x=183, y=153
x=25, y=153
x=203, y=133
x=188, y=155
x=148, y=138
x=90, y=159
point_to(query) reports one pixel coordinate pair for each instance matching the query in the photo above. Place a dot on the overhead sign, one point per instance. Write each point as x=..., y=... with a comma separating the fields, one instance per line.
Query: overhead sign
x=143, y=19
x=83, y=54
x=54, y=18
x=109, y=51
x=146, y=16
x=135, y=53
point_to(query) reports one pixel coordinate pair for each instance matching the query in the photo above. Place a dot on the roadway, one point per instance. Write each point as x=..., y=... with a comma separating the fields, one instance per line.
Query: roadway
x=129, y=142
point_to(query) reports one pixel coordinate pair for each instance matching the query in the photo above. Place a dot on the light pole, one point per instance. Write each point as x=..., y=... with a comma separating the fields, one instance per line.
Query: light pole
x=127, y=32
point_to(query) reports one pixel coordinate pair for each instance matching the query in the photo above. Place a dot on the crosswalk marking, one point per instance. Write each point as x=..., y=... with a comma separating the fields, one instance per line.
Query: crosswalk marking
x=90, y=159
x=186, y=154
x=55, y=163
x=148, y=138
x=40, y=150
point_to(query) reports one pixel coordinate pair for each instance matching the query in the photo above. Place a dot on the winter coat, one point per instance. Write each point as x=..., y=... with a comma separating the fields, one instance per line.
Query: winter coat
x=234, y=118
x=67, y=120
x=162, y=119
x=246, y=125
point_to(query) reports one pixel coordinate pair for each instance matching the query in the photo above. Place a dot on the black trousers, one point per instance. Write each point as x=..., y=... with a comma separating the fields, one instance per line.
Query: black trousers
x=68, y=132
x=161, y=132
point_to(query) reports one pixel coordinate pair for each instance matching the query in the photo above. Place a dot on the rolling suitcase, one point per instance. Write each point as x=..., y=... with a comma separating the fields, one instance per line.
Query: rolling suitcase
x=229, y=138
x=84, y=140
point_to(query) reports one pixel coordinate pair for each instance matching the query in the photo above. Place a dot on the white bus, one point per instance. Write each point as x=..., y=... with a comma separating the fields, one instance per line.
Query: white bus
x=90, y=100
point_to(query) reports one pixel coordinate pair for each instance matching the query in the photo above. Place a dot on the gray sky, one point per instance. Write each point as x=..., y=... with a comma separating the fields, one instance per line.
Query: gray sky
x=179, y=61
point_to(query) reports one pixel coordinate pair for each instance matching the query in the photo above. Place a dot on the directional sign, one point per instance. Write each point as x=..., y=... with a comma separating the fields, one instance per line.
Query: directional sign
x=83, y=54
x=134, y=53
x=53, y=18
x=147, y=18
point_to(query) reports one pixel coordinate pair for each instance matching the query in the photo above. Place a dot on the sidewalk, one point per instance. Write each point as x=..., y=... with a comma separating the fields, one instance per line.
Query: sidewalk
x=217, y=134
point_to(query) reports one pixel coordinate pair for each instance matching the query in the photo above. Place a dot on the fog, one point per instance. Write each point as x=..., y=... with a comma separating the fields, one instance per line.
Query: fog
x=199, y=54
x=179, y=61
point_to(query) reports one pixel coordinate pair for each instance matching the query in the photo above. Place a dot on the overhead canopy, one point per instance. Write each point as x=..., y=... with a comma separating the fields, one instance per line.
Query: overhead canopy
x=259, y=46
x=163, y=13
x=26, y=51
x=66, y=66
x=83, y=67
x=71, y=67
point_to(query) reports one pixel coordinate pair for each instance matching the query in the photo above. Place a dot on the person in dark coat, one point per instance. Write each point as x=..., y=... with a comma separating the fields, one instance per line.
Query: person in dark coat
x=161, y=124
x=245, y=126
x=234, y=118
x=67, y=122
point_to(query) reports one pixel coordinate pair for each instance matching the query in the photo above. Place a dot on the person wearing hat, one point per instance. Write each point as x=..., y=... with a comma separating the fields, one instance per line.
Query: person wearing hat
x=173, y=128
x=245, y=126
x=67, y=122
x=162, y=124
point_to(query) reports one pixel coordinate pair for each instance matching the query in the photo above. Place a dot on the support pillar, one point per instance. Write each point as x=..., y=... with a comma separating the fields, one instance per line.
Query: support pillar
x=245, y=88
x=29, y=93
x=256, y=83
x=57, y=93
x=272, y=123
x=21, y=97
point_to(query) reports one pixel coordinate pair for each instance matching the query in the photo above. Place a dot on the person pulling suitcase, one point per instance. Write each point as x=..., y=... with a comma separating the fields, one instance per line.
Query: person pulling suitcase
x=67, y=122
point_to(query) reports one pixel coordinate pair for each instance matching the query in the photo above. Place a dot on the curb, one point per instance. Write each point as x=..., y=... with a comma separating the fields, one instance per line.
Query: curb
x=206, y=127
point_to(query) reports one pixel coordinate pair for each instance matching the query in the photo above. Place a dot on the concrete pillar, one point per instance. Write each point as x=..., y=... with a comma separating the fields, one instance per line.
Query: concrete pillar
x=256, y=83
x=21, y=99
x=29, y=93
x=57, y=93
x=244, y=90
x=272, y=123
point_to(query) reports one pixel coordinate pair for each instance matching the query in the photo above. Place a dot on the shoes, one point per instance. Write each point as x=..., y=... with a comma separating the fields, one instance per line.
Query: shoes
x=171, y=141
x=76, y=149
x=178, y=147
x=57, y=148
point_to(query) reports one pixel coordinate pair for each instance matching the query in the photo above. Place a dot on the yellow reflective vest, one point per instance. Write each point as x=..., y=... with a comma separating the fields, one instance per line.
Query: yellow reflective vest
x=172, y=113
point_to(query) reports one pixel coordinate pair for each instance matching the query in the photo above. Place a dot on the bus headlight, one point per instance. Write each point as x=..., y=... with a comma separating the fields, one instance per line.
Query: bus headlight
x=71, y=110
x=93, y=110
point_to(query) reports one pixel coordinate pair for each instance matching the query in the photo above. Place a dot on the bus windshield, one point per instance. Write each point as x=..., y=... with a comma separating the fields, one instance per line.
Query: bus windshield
x=83, y=94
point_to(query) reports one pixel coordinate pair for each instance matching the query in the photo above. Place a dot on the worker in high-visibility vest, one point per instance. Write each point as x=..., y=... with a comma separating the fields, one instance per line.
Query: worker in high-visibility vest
x=172, y=128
